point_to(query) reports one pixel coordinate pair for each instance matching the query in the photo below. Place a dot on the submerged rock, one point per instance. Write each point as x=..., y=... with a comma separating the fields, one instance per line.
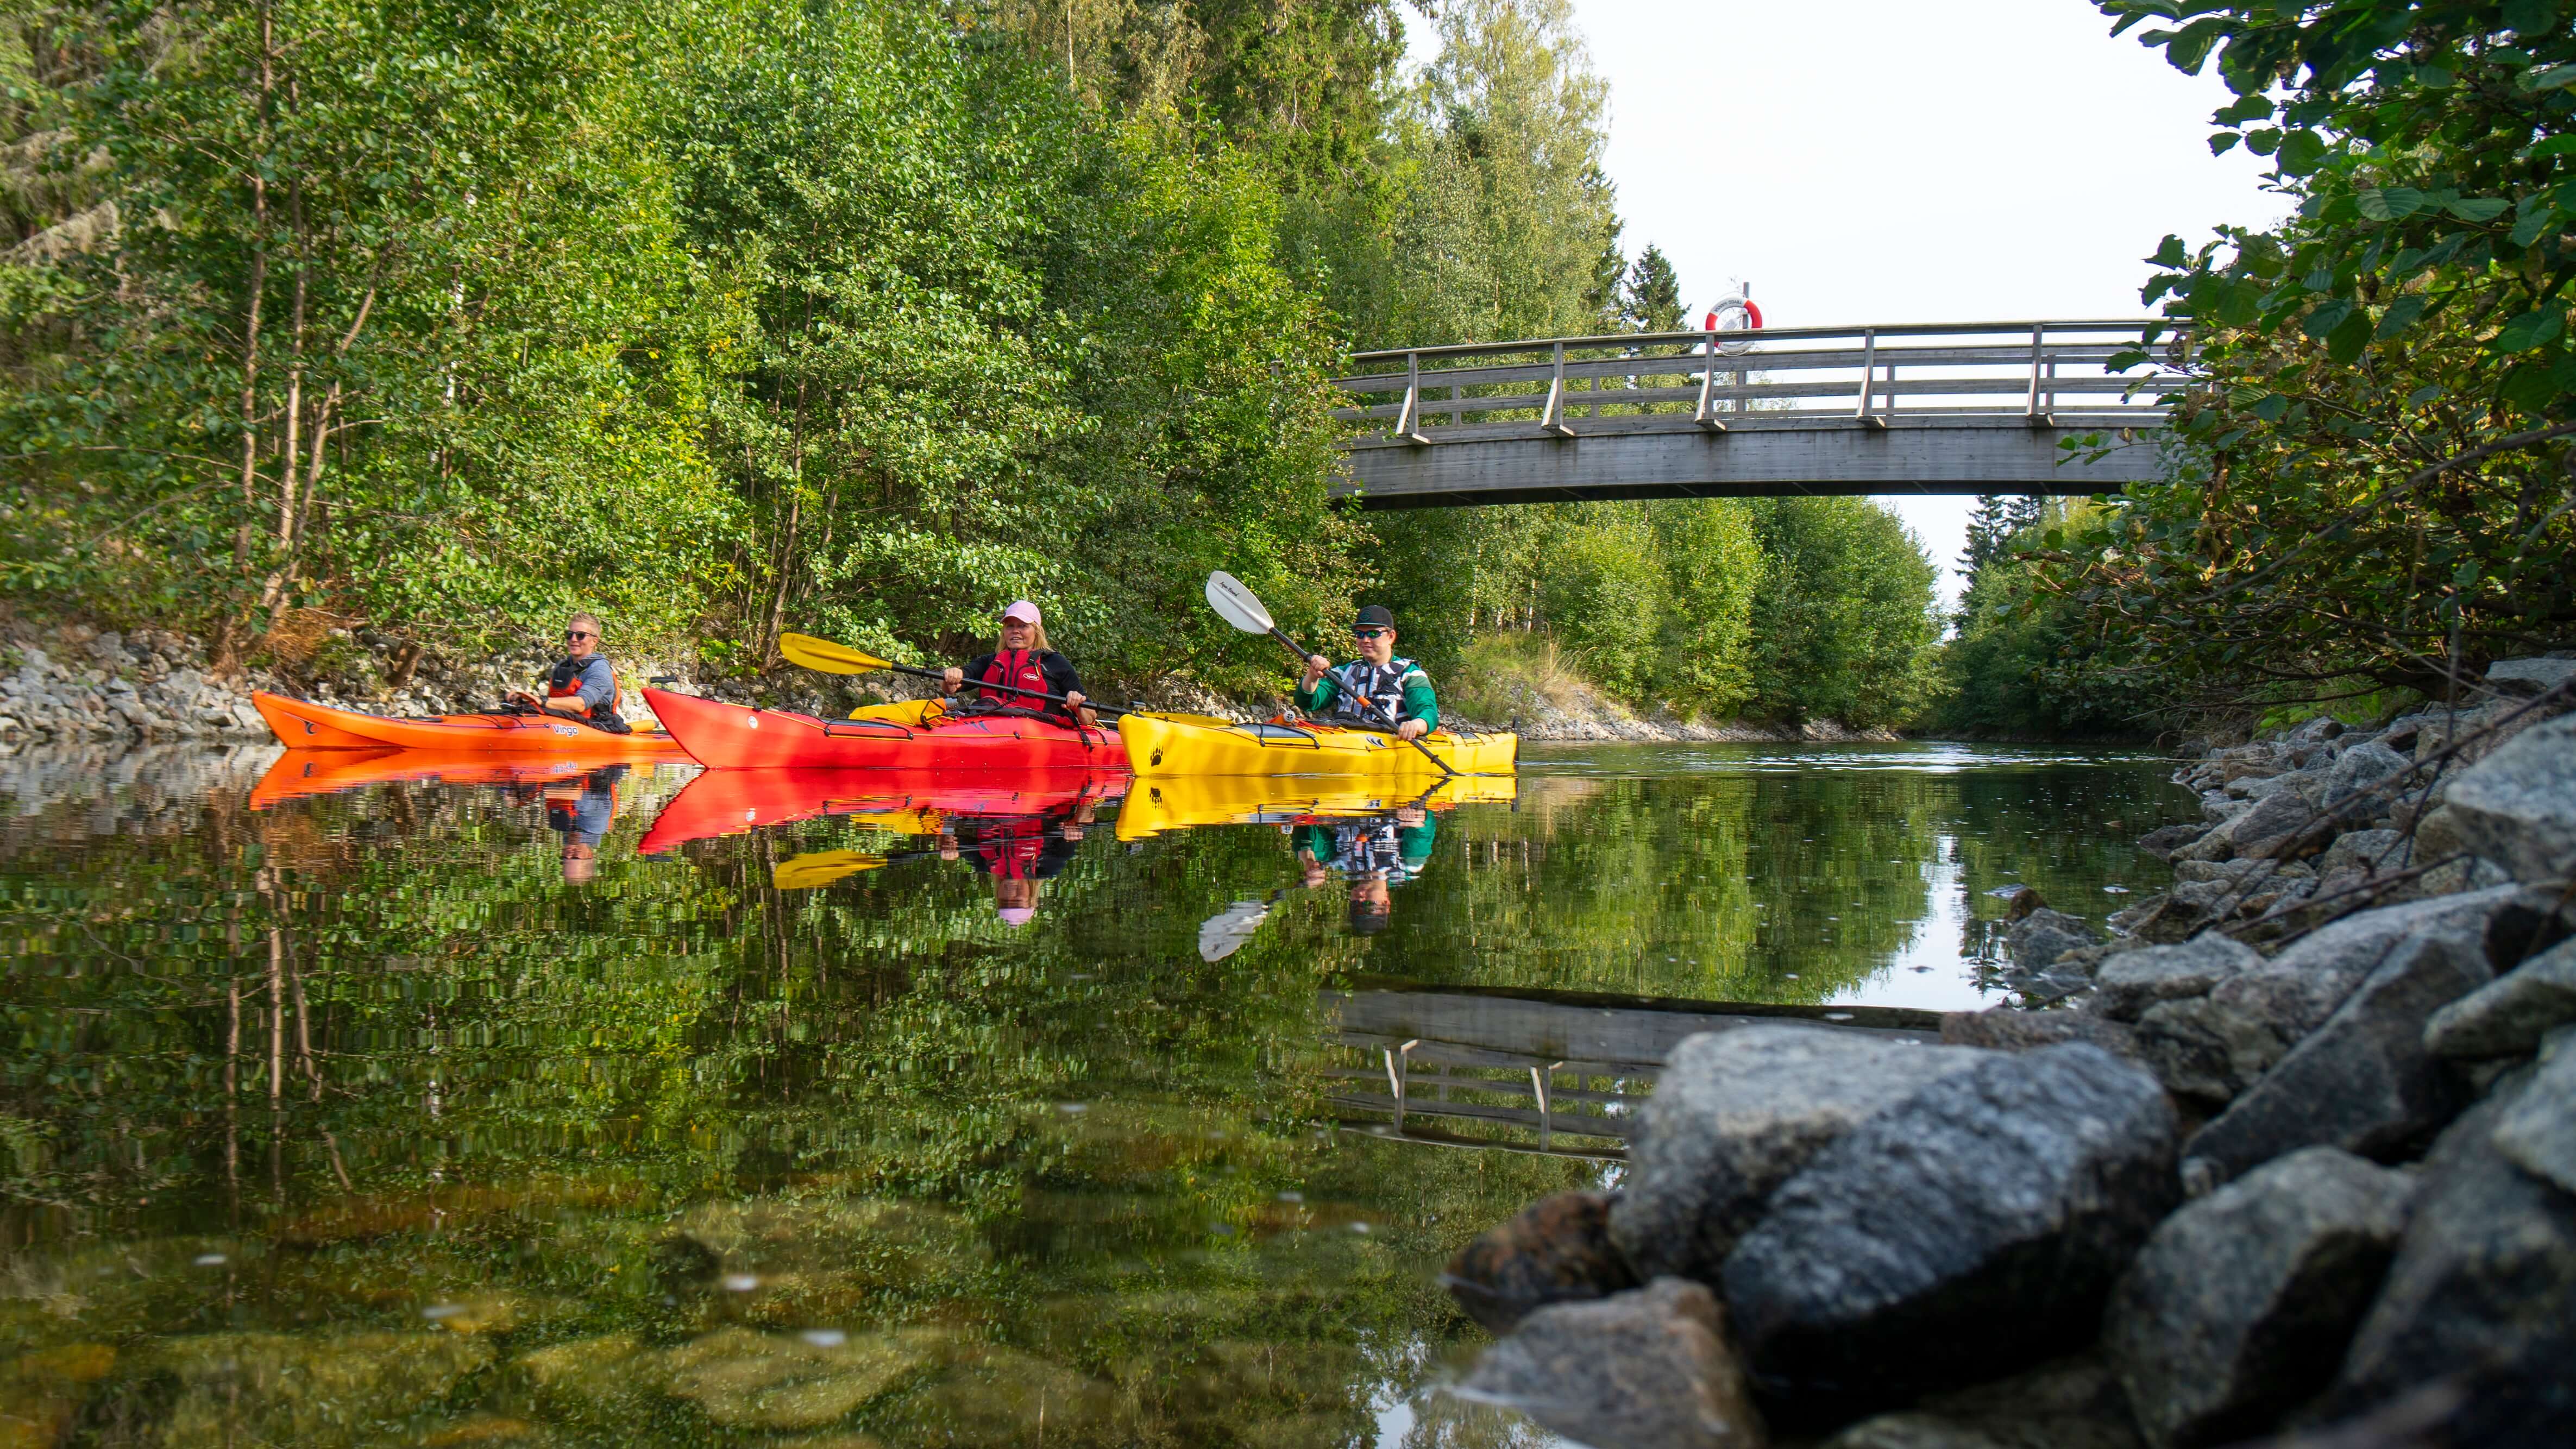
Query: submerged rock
x=2240, y=1305
x=1733, y=1115
x=1975, y=1226
x=1556, y=1250
x=1644, y=1369
x=2363, y=1081
x=746, y=1380
x=275, y=1388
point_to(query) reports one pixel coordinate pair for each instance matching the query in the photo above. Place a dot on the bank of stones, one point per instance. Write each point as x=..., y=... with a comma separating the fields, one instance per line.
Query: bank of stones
x=2291, y=1150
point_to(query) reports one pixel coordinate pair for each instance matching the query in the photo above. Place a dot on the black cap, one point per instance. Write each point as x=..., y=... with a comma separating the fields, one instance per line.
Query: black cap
x=1370, y=917
x=1376, y=614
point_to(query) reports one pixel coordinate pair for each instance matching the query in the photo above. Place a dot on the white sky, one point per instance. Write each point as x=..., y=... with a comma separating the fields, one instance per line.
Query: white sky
x=1891, y=161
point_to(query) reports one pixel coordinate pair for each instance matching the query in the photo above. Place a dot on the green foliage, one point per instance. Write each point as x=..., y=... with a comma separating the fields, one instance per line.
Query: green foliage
x=1843, y=625
x=2370, y=478
x=2021, y=664
x=1651, y=298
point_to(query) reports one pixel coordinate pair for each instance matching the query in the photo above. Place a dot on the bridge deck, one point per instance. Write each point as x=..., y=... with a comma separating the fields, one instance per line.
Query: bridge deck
x=1946, y=408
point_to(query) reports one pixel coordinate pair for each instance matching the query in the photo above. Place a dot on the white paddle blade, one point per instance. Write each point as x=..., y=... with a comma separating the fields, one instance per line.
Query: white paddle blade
x=1236, y=604
x=1225, y=933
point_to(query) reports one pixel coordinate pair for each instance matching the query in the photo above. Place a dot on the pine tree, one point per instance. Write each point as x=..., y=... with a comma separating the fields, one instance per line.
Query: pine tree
x=1652, y=299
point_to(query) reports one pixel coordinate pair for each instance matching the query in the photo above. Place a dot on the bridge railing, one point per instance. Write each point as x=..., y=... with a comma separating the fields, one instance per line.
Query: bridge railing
x=2035, y=374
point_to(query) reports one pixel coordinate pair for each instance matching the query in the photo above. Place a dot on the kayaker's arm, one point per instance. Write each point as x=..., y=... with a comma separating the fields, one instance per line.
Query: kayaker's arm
x=1317, y=691
x=1420, y=703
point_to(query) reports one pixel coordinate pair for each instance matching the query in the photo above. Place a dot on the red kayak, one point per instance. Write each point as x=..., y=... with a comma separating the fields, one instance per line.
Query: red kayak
x=730, y=737
x=907, y=802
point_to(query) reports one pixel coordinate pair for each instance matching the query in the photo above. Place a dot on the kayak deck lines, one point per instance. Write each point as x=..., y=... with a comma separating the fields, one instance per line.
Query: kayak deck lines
x=735, y=737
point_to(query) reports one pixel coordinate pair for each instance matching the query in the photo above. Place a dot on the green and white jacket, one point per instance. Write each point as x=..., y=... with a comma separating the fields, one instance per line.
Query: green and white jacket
x=1399, y=687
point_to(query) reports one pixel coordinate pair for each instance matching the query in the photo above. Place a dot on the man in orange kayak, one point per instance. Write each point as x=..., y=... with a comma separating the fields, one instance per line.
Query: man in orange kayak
x=1021, y=657
x=582, y=684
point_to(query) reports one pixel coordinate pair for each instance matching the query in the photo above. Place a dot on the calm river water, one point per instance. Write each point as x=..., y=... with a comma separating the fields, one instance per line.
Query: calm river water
x=336, y=1115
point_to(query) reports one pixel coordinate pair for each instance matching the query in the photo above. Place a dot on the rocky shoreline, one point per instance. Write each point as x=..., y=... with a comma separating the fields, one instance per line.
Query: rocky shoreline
x=77, y=683
x=2290, y=1158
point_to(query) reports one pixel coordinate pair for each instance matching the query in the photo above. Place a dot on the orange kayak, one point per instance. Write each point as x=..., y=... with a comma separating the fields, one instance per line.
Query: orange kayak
x=299, y=773
x=303, y=725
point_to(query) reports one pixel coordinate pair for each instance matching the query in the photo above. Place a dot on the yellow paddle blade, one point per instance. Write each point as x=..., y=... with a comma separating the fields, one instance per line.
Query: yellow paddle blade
x=820, y=868
x=823, y=654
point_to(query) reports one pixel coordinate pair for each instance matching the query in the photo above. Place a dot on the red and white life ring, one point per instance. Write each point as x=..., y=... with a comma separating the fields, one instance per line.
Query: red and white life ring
x=1734, y=313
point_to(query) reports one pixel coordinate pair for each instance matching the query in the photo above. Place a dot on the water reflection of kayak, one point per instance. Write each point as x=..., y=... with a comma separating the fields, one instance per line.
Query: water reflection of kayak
x=303, y=725
x=908, y=802
x=299, y=773
x=1176, y=802
x=733, y=737
x=1191, y=744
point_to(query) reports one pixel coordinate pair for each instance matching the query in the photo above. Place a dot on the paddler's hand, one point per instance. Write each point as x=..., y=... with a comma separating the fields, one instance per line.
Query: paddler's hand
x=1073, y=699
x=1316, y=664
x=1413, y=729
x=1410, y=815
x=950, y=678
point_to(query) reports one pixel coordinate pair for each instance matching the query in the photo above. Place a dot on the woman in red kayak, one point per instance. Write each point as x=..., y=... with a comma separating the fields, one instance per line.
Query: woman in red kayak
x=1021, y=657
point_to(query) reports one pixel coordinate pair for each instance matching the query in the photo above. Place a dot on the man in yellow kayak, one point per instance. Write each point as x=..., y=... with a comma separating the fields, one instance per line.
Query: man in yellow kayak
x=1021, y=657
x=1395, y=685
x=582, y=684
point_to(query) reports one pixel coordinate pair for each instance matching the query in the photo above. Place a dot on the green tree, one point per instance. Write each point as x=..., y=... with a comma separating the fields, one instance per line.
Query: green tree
x=1843, y=623
x=1651, y=299
x=2369, y=485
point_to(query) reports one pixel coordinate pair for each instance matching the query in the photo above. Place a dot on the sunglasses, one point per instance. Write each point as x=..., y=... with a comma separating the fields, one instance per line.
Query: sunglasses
x=1370, y=633
x=579, y=634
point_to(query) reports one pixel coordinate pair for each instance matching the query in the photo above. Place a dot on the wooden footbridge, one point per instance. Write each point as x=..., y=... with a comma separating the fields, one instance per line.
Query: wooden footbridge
x=1965, y=408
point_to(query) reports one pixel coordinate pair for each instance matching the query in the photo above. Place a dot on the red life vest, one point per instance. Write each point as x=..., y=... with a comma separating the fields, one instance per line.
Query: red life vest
x=1014, y=666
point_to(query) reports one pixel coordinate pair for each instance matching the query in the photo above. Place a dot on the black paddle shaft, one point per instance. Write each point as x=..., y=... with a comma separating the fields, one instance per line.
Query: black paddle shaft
x=1371, y=705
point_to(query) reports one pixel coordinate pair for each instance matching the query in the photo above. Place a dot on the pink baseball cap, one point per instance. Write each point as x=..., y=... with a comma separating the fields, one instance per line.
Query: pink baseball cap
x=1024, y=611
x=1016, y=915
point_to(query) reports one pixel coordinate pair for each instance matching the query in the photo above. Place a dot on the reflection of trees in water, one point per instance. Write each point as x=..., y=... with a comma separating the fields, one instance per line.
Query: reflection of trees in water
x=372, y=1049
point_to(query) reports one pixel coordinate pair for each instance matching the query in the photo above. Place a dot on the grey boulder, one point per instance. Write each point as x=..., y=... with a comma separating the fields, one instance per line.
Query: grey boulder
x=2530, y=676
x=2131, y=982
x=2274, y=827
x=2483, y=1282
x=2517, y=807
x=2363, y=1081
x=2537, y=1131
x=2358, y=769
x=2241, y=1304
x=1644, y=1369
x=2072, y=1403
x=1734, y=1114
x=2044, y=935
x=2205, y=1050
x=1973, y=1228
x=2508, y=1016
x=2367, y=852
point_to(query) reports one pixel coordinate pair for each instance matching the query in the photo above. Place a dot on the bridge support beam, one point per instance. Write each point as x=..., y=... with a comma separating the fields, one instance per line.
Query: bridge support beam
x=1749, y=459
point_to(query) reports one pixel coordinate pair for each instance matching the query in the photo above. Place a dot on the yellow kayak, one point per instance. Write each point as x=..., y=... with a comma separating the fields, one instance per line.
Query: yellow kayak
x=1198, y=744
x=1177, y=802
